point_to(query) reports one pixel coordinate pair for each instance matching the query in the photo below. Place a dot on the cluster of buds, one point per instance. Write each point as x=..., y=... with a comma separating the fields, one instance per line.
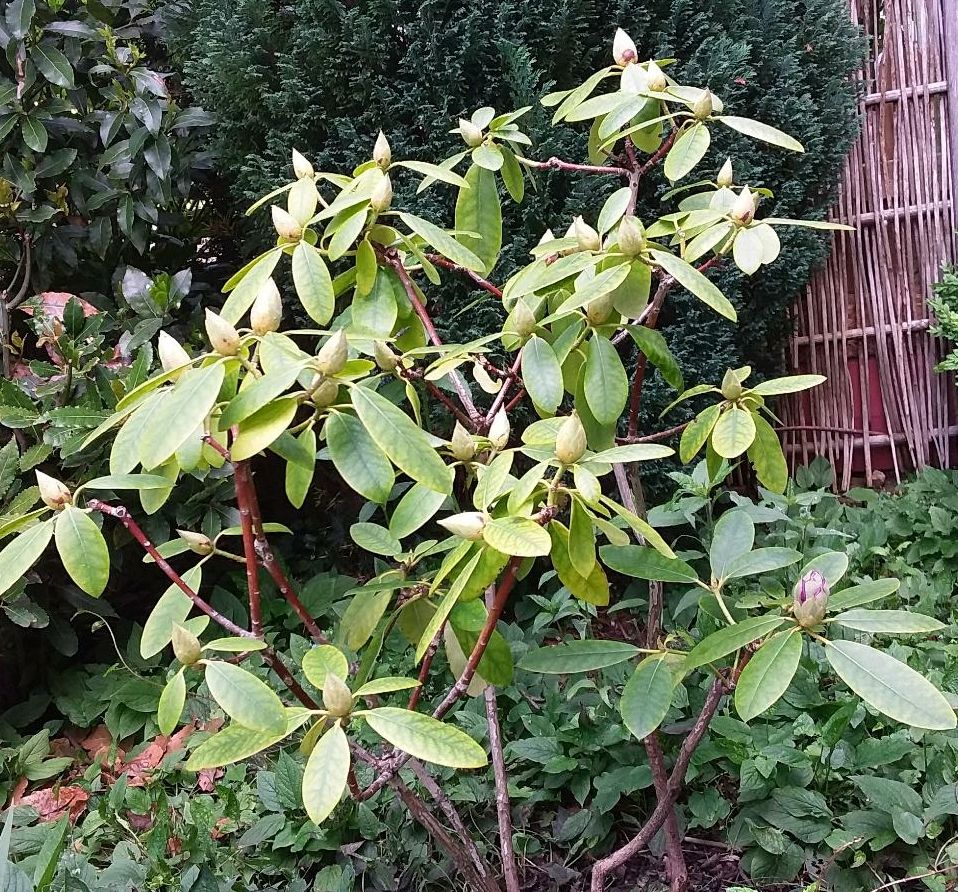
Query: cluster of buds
x=54, y=494
x=570, y=440
x=467, y=525
x=811, y=599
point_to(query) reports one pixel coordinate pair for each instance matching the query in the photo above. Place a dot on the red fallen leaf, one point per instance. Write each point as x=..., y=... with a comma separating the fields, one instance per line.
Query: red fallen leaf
x=62, y=746
x=219, y=830
x=178, y=740
x=96, y=741
x=207, y=777
x=54, y=302
x=53, y=803
x=741, y=81
x=139, y=768
x=18, y=791
x=174, y=845
x=140, y=822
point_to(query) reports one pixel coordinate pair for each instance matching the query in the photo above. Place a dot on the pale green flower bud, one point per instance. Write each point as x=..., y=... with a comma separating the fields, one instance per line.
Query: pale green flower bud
x=657, y=79
x=471, y=134
x=522, y=319
x=382, y=195
x=631, y=237
x=731, y=386
x=703, y=106
x=500, y=430
x=623, y=48
x=468, y=525
x=186, y=646
x=285, y=224
x=301, y=167
x=462, y=445
x=223, y=337
x=337, y=697
x=333, y=355
x=382, y=154
x=54, y=494
x=324, y=394
x=384, y=356
x=171, y=353
x=598, y=309
x=570, y=440
x=725, y=175
x=267, y=311
x=198, y=542
x=587, y=237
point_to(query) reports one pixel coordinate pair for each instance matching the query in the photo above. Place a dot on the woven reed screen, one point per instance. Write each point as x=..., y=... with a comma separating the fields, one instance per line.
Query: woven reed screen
x=864, y=320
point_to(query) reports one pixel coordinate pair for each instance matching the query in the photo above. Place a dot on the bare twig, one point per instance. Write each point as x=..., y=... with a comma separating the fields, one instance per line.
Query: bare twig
x=424, y=668
x=558, y=164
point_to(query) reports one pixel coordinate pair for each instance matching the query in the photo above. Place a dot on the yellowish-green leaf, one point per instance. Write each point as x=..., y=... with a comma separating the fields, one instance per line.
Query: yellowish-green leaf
x=357, y=457
x=320, y=661
x=236, y=742
x=324, y=778
x=313, y=284
x=171, y=704
x=687, y=151
x=733, y=433
x=173, y=607
x=258, y=431
x=244, y=698
x=517, y=536
x=426, y=738
x=768, y=674
x=22, y=553
x=83, y=550
x=763, y=132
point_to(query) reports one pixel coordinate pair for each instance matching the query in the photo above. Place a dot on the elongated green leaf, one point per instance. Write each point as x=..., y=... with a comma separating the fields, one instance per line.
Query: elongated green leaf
x=687, y=151
x=517, y=536
x=261, y=429
x=362, y=464
x=594, y=588
x=758, y=130
x=632, y=452
x=761, y=560
x=654, y=346
x=768, y=674
x=299, y=477
x=375, y=539
x=542, y=374
x=644, y=562
x=581, y=540
x=362, y=616
x=180, y=413
x=83, y=550
x=34, y=133
x=320, y=661
x=426, y=738
x=401, y=439
x=577, y=656
x=733, y=433
x=52, y=64
x=890, y=686
x=832, y=565
x=866, y=593
x=788, y=384
x=443, y=242
x=235, y=645
x=324, y=778
x=246, y=284
x=441, y=614
x=435, y=171
x=386, y=685
x=22, y=553
x=171, y=704
x=606, y=383
x=313, y=284
x=698, y=431
x=767, y=456
x=692, y=280
x=127, y=481
x=728, y=640
x=478, y=210
x=733, y=536
x=647, y=696
x=244, y=698
x=173, y=607
x=897, y=621
x=260, y=392
x=236, y=742
x=418, y=505
x=599, y=285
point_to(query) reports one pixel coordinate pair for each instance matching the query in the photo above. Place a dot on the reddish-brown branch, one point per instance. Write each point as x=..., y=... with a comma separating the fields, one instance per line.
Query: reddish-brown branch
x=123, y=515
x=660, y=153
x=511, y=377
x=244, y=484
x=558, y=164
x=424, y=668
x=638, y=379
x=657, y=437
x=445, y=263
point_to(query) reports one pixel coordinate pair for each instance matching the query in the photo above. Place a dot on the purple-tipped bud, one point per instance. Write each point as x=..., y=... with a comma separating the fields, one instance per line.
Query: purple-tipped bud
x=811, y=599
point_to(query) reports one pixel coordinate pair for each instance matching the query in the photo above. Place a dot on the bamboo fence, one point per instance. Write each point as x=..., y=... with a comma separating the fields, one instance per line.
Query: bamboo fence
x=863, y=321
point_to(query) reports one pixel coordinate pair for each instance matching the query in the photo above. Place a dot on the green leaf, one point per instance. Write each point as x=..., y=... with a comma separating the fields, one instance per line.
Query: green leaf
x=758, y=130
x=761, y=560
x=488, y=156
x=517, y=536
x=244, y=698
x=768, y=674
x=644, y=562
x=375, y=539
x=258, y=393
x=733, y=536
x=235, y=645
x=687, y=151
x=449, y=600
x=34, y=134
x=320, y=661
x=19, y=15
x=246, y=284
x=512, y=176
x=865, y=593
x=588, y=289
x=748, y=250
x=443, y=242
x=362, y=616
x=362, y=464
x=647, y=696
x=127, y=481
x=697, y=433
x=261, y=429
x=730, y=639
x=83, y=550
x=324, y=778
x=767, y=456
x=418, y=505
x=692, y=280
x=236, y=742
x=180, y=413
x=606, y=383
x=577, y=656
x=173, y=607
x=655, y=347
x=22, y=553
x=298, y=476
x=401, y=439
x=632, y=452
x=890, y=686
x=423, y=737
x=789, y=384
x=313, y=284
x=896, y=621
x=478, y=210
x=386, y=685
x=581, y=540
x=832, y=565
x=171, y=704
x=434, y=171
x=52, y=64
x=542, y=374
x=594, y=588
x=733, y=433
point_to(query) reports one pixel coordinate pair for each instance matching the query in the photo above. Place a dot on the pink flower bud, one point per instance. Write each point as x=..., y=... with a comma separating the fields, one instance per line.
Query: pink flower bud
x=811, y=599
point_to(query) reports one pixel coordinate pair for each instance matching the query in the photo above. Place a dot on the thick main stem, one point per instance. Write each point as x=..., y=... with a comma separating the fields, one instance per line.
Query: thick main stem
x=244, y=484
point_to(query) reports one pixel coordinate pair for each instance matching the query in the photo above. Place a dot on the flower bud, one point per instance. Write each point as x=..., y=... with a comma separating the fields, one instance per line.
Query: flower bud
x=587, y=237
x=336, y=696
x=811, y=599
x=462, y=445
x=731, y=386
x=657, y=79
x=382, y=154
x=703, y=106
x=623, y=48
x=499, y=430
x=324, y=393
x=301, y=167
x=382, y=195
x=522, y=320
x=223, y=337
x=54, y=493
x=171, y=352
x=744, y=208
x=186, y=646
x=547, y=237
x=198, y=542
x=570, y=440
x=471, y=134
x=468, y=525
x=725, y=176
x=285, y=224
x=631, y=237
x=384, y=356
x=332, y=357
x=597, y=310
x=267, y=311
